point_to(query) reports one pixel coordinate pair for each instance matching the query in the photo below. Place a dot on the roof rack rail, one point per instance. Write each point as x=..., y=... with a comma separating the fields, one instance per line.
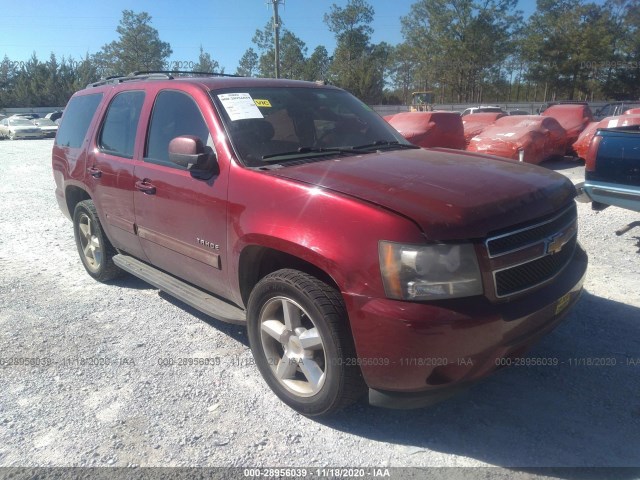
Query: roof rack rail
x=186, y=72
x=153, y=74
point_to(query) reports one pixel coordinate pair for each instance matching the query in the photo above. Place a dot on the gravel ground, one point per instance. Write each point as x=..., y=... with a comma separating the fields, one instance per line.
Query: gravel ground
x=101, y=396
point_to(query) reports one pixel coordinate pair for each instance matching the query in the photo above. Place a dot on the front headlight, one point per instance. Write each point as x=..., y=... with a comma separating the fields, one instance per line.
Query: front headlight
x=429, y=272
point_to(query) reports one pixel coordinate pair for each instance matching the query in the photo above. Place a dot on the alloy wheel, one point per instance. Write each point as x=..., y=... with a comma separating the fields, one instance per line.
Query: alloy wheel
x=293, y=346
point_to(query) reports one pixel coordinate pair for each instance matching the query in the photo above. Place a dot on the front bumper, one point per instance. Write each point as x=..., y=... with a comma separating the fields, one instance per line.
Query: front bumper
x=409, y=400
x=606, y=193
x=24, y=136
x=412, y=353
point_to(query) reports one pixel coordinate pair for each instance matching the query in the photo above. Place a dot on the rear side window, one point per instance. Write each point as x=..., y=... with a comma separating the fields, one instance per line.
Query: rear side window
x=118, y=134
x=174, y=114
x=76, y=120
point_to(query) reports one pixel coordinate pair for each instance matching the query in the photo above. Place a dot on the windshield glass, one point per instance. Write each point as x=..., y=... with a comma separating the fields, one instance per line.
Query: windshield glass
x=269, y=125
x=20, y=122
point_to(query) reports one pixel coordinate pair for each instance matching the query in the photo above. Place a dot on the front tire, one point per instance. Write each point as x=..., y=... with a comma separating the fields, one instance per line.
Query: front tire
x=96, y=252
x=301, y=343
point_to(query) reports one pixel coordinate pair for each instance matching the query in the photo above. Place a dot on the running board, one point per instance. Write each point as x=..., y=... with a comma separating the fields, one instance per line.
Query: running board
x=192, y=296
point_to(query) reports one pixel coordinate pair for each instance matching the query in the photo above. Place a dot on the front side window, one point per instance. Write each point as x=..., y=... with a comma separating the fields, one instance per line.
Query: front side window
x=279, y=124
x=174, y=114
x=118, y=133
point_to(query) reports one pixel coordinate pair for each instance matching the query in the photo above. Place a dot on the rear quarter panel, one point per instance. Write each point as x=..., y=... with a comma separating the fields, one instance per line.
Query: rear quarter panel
x=69, y=164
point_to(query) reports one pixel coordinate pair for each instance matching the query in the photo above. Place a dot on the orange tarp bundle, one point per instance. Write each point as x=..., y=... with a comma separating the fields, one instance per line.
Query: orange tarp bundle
x=581, y=145
x=535, y=138
x=430, y=129
x=475, y=123
x=573, y=118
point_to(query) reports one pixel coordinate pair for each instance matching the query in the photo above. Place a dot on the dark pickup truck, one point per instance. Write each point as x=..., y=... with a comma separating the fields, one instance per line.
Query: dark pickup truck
x=612, y=169
x=356, y=259
x=614, y=109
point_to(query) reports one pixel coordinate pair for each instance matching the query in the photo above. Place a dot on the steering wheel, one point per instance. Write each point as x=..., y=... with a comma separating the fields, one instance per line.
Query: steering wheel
x=321, y=141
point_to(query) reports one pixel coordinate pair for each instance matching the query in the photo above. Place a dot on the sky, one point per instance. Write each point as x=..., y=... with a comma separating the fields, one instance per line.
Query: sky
x=72, y=28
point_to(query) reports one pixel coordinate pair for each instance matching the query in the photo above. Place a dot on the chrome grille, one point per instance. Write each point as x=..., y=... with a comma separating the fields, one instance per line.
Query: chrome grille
x=532, y=255
x=522, y=277
x=515, y=240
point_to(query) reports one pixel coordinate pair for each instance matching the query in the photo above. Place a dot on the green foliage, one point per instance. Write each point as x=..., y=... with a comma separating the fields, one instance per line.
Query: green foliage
x=351, y=21
x=264, y=40
x=458, y=45
x=481, y=51
x=357, y=65
x=294, y=63
x=8, y=74
x=317, y=65
x=43, y=84
x=565, y=37
x=292, y=56
x=206, y=63
x=248, y=63
x=138, y=47
x=620, y=76
x=404, y=72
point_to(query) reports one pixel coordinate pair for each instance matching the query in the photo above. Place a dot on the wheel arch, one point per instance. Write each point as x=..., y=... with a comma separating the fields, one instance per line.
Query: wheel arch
x=257, y=261
x=74, y=195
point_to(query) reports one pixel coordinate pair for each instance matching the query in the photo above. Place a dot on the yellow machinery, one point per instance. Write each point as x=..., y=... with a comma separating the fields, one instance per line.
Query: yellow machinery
x=422, y=101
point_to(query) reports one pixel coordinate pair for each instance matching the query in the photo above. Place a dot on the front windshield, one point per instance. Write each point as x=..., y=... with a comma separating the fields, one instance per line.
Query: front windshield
x=269, y=125
x=20, y=122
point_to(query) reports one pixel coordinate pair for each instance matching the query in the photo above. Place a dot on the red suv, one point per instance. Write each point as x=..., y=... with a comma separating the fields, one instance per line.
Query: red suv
x=357, y=260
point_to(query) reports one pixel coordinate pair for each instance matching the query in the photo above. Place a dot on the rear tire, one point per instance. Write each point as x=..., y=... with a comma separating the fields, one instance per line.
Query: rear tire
x=96, y=252
x=301, y=343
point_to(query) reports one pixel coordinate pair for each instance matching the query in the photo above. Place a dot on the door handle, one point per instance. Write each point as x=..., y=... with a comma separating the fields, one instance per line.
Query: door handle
x=94, y=172
x=145, y=187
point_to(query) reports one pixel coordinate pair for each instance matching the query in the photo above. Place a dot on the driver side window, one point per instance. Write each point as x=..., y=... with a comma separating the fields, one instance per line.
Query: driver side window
x=174, y=114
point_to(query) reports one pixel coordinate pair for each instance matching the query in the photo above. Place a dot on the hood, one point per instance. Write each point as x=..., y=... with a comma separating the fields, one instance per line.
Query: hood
x=449, y=194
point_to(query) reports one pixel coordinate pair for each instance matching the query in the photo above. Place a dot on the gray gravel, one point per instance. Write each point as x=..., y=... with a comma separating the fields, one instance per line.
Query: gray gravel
x=100, y=396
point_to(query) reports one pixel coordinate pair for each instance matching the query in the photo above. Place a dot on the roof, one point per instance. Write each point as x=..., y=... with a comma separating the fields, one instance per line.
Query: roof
x=208, y=80
x=524, y=121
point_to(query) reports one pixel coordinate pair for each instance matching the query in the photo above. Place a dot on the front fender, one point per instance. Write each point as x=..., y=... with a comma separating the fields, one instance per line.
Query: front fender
x=336, y=233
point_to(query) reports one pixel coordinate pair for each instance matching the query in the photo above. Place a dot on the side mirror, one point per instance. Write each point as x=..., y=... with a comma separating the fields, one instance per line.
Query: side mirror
x=189, y=152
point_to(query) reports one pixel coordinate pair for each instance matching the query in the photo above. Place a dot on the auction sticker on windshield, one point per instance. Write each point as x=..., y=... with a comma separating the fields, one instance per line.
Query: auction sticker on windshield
x=239, y=106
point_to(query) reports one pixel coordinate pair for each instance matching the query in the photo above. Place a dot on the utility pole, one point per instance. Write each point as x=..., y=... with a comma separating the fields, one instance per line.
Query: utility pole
x=276, y=31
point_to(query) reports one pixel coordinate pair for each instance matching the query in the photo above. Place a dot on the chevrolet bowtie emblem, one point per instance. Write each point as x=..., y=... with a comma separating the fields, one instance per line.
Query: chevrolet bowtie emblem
x=556, y=242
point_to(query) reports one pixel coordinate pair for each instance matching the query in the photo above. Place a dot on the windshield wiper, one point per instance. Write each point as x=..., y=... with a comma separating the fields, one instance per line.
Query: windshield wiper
x=306, y=152
x=311, y=152
x=386, y=144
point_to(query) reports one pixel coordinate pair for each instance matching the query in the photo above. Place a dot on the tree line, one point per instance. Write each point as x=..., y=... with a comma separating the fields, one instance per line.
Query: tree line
x=462, y=50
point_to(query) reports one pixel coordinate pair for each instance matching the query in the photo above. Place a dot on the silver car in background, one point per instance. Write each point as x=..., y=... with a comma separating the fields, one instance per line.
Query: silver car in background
x=16, y=127
x=48, y=127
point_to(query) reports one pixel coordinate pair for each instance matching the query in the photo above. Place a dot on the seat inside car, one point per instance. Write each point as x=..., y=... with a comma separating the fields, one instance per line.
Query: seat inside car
x=251, y=138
